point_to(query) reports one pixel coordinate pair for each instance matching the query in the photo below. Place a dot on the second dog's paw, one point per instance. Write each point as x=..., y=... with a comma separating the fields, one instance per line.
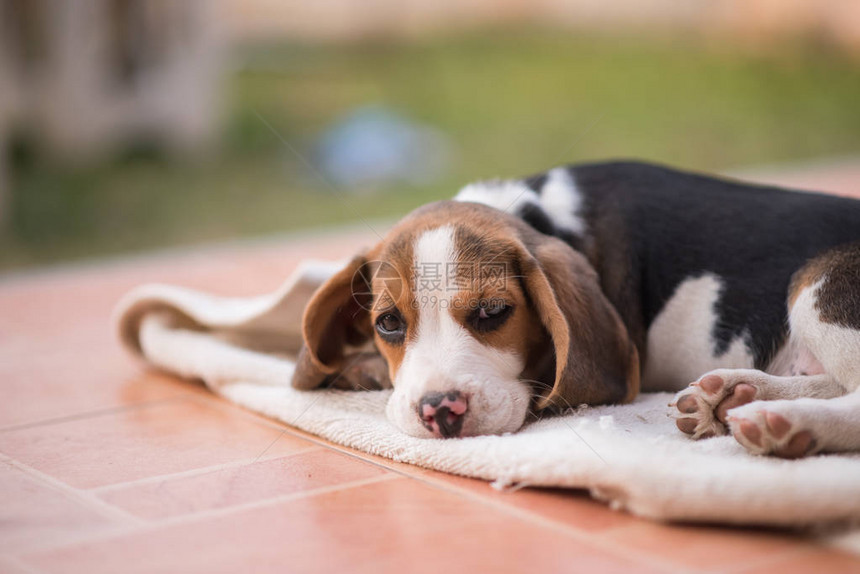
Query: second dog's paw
x=701, y=409
x=762, y=429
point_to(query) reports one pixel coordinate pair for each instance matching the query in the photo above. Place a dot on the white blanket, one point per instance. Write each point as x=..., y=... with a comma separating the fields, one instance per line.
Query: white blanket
x=631, y=456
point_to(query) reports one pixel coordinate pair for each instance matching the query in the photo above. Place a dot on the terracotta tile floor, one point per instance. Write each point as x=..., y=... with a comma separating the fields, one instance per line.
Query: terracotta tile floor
x=106, y=466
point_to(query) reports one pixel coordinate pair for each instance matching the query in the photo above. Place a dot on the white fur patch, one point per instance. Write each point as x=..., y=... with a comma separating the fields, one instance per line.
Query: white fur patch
x=562, y=201
x=794, y=359
x=443, y=355
x=559, y=198
x=680, y=340
x=834, y=346
x=503, y=194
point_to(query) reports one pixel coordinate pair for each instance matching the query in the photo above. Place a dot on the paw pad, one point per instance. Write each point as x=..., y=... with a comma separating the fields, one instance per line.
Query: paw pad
x=686, y=425
x=740, y=394
x=778, y=425
x=687, y=404
x=750, y=431
x=701, y=408
x=711, y=384
x=767, y=432
x=799, y=446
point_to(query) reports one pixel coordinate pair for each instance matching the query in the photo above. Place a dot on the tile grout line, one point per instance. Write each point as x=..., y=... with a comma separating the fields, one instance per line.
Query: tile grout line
x=82, y=496
x=728, y=569
x=194, y=472
x=225, y=405
x=146, y=527
x=592, y=539
x=765, y=561
x=93, y=414
x=311, y=493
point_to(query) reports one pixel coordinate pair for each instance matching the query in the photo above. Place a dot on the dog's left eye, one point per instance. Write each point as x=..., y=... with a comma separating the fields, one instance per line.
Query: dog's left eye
x=491, y=315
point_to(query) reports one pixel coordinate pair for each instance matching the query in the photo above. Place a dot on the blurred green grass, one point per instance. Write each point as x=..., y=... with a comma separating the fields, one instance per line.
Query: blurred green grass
x=512, y=103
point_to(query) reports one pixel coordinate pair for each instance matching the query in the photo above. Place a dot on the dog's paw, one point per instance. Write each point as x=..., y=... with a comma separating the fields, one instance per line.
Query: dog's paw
x=768, y=428
x=363, y=372
x=701, y=409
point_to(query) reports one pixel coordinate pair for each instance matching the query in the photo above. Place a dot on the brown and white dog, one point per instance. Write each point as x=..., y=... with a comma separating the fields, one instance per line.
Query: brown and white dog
x=560, y=289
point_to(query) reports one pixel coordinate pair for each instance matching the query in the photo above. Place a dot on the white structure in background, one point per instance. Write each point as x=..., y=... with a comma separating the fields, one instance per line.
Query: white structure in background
x=753, y=21
x=85, y=76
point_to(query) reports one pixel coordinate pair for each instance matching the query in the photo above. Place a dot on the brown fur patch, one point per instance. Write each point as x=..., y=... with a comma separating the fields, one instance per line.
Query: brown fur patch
x=608, y=251
x=805, y=277
x=838, y=298
x=596, y=362
x=332, y=322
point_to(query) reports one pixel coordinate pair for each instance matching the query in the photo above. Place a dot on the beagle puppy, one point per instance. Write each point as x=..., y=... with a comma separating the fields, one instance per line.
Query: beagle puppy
x=584, y=284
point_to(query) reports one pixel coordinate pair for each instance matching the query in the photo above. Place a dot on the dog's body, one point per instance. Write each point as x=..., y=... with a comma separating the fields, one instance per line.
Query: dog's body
x=752, y=292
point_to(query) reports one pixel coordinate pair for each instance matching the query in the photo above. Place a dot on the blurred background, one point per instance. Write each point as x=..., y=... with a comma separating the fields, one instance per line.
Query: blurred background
x=129, y=125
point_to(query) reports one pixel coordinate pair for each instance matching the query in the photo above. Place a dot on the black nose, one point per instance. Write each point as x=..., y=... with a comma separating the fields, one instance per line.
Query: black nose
x=443, y=413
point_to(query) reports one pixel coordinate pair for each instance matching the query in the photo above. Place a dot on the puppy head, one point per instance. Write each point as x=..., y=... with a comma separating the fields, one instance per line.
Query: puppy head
x=478, y=317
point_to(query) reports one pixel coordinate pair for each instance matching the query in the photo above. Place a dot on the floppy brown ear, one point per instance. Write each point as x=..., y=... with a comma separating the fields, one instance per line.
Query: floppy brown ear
x=596, y=362
x=335, y=319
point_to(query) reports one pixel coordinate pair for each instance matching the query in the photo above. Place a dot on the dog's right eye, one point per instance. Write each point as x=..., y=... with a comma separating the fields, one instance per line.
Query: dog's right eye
x=390, y=326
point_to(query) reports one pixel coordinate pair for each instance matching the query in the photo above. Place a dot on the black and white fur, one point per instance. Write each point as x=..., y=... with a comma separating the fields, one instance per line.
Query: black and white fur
x=700, y=269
